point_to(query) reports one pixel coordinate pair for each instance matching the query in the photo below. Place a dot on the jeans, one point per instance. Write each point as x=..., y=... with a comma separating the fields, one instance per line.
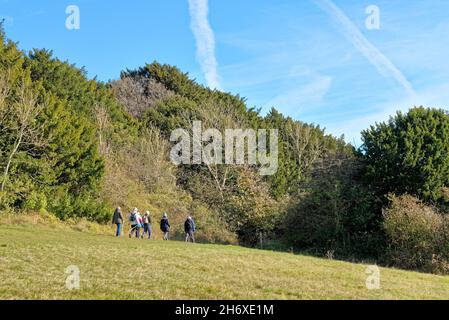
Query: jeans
x=146, y=229
x=119, y=229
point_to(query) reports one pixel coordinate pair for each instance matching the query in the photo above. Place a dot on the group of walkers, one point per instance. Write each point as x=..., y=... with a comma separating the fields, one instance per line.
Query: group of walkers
x=139, y=221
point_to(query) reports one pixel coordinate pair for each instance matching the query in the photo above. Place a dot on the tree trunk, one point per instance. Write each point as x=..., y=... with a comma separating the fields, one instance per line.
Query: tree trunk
x=11, y=156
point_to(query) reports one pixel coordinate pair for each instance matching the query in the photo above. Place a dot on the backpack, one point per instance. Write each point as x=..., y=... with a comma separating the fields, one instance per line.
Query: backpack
x=132, y=217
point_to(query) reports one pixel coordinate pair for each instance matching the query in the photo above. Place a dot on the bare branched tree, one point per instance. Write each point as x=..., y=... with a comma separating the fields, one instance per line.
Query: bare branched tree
x=154, y=150
x=138, y=94
x=306, y=144
x=148, y=158
x=4, y=92
x=26, y=129
x=220, y=117
x=102, y=118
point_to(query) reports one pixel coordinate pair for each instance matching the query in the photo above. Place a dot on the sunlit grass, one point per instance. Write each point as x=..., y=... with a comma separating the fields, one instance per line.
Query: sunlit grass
x=33, y=259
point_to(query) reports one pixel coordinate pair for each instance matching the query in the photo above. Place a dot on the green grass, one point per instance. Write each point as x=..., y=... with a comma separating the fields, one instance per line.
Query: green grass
x=33, y=259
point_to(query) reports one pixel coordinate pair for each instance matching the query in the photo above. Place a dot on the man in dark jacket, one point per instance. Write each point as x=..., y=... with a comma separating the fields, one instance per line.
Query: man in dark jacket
x=117, y=219
x=189, y=228
x=165, y=226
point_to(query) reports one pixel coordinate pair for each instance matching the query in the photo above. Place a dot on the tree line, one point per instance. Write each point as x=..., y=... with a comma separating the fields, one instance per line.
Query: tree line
x=77, y=148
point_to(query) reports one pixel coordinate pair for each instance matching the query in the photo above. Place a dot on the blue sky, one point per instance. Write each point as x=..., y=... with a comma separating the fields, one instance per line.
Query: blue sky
x=314, y=60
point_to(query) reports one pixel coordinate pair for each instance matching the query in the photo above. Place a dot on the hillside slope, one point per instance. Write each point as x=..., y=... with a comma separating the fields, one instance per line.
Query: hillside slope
x=33, y=260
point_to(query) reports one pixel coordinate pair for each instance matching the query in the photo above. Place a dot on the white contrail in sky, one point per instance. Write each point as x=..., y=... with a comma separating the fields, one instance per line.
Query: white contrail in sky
x=205, y=41
x=374, y=55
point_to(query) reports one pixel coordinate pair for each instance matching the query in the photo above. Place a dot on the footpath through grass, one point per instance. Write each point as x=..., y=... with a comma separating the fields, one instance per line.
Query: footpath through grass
x=33, y=259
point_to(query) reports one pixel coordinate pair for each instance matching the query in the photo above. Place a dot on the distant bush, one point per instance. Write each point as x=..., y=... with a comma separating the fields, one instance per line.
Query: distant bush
x=418, y=235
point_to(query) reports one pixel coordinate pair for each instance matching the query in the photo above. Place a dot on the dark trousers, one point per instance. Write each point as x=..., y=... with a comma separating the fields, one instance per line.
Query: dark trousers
x=190, y=236
x=146, y=229
x=136, y=229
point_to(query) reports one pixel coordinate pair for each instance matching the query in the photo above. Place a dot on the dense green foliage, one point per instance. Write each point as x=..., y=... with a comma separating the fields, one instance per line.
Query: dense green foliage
x=409, y=154
x=336, y=213
x=49, y=149
x=76, y=147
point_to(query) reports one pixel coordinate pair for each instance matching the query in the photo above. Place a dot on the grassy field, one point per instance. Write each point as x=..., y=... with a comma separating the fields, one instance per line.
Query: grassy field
x=33, y=260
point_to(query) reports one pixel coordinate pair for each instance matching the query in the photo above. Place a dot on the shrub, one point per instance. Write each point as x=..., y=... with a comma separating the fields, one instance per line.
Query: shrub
x=36, y=201
x=335, y=212
x=417, y=235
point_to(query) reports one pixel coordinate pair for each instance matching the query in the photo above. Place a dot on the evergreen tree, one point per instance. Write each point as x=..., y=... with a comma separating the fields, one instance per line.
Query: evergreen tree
x=409, y=153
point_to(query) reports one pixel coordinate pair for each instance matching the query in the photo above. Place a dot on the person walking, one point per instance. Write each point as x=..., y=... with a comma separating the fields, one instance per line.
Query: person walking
x=139, y=224
x=117, y=219
x=189, y=228
x=146, y=224
x=135, y=219
x=165, y=226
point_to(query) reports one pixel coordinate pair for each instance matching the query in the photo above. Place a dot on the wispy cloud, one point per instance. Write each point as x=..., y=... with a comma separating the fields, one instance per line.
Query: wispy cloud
x=384, y=66
x=205, y=41
x=301, y=97
x=435, y=97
